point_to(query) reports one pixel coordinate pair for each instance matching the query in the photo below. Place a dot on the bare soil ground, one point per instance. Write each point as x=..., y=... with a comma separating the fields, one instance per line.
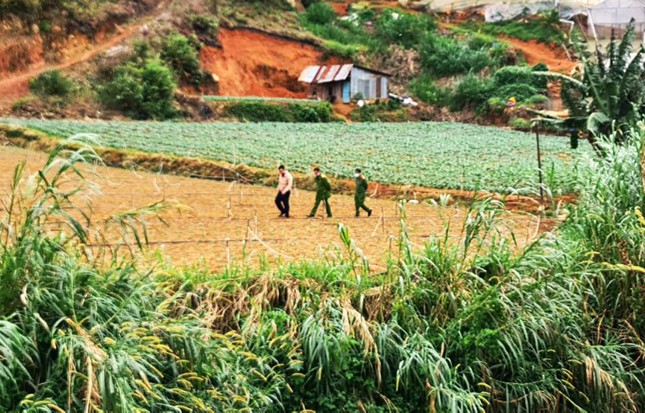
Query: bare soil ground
x=257, y=64
x=536, y=52
x=226, y=223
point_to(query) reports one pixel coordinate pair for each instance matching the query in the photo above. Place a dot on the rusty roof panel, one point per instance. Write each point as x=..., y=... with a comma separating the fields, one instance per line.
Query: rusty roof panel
x=308, y=75
x=329, y=74
x=344, y=72
x=325, y=74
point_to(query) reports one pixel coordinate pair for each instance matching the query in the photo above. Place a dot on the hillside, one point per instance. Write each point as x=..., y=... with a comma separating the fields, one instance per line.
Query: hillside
x=254, y=48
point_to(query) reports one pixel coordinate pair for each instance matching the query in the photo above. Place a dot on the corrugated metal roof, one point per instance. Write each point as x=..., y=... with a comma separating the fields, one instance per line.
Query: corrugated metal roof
x=309, y=74
x=325, y=74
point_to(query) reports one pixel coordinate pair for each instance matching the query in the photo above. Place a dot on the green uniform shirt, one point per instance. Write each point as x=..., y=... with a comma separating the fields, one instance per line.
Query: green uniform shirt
x=323, y=187
x=361, y=186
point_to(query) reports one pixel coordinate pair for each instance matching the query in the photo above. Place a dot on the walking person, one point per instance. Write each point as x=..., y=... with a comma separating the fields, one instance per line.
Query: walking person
x=361, y=193
x=285, y=185
x=323, y=192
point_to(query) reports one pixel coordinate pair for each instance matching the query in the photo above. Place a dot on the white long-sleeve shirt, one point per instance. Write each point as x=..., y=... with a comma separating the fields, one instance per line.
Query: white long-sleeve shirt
x=285, y=182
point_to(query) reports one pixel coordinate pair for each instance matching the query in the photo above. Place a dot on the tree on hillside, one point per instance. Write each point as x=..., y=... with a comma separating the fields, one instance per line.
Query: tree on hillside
x=609, y=98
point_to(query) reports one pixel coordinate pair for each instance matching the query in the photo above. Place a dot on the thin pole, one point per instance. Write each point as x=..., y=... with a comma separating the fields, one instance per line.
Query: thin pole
x=539, y=159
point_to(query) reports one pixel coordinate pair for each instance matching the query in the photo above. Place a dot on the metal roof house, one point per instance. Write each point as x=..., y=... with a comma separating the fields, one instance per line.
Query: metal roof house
x=338, y=83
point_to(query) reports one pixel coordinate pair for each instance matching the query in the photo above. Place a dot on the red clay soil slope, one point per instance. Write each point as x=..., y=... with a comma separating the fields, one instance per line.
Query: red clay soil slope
x=536, y=52
x=258, y=64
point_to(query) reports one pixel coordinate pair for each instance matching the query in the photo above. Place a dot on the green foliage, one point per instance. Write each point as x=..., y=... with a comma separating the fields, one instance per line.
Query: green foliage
x=388, y=111
x=141, y=92
x=490, y=158
x=611, y=94
x=180, y=54
x=51, y=83
x=408, y=30
x=257, y=111
x=444, y=56
x=471, y=93
x=427, y=91
x=320, y=13
x=520, y=91
x=205, y=27
x=508, y=75
x=521, y=124
x=545, y=28
x=472, y=322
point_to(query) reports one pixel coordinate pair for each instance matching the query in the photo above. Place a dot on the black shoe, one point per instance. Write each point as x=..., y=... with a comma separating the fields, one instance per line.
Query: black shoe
x=369, y=213
x=282, y=214
x=286, y=216
x=310, y=216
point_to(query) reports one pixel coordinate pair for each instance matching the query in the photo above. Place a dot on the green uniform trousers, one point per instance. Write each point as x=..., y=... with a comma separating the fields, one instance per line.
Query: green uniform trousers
x=327, y=207
x=359, y=202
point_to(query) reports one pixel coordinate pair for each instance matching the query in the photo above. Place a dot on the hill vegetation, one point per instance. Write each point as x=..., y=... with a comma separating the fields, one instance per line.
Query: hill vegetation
x=446, y=67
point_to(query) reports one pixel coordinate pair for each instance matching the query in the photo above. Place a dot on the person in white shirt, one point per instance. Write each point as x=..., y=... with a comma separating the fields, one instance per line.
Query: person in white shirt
x=285, y=185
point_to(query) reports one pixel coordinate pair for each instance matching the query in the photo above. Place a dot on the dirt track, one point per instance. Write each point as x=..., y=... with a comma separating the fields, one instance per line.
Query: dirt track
x=15, y=87
x=247, y=218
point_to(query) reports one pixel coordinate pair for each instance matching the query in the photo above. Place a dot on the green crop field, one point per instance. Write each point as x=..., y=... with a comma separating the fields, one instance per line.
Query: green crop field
x=439, y=155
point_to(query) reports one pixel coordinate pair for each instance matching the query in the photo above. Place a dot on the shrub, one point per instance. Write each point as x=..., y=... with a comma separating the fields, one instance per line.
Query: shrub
x=496, y=105
x=472, y=92
x=334, y=48
x=141, y=92
x=519, y=74
x=311, y=113
x=536, y=100
x=180, y=54
x=442, y=57
x=51, y=83
x=320, y=13
x=205, y=27
x=257, y=112
x=405, y=29
x=268, y=112
x=427, y=91
x=520, y=123
x=520, y=91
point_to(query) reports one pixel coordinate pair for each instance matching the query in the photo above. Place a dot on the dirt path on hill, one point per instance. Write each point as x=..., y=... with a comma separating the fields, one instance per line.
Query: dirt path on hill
x=15, y=87
x=536, y=52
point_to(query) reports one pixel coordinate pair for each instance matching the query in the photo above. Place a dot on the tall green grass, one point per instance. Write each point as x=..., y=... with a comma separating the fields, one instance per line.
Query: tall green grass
x=467, y=326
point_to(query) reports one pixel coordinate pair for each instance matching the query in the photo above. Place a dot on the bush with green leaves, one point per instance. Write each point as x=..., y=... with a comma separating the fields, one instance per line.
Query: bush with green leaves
x=51, y=83
x=206, y=28
x=320, y=12
x=182, y=56
x=444, y=56
x=544, y=28
x=472, y=93
x=425, y=88
x=508, y=75
x=408, y=30
x=141, y=92
x=293, y=112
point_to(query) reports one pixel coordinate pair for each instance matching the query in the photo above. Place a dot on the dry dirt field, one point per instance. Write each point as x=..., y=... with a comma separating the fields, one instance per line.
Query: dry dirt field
x=224, y=223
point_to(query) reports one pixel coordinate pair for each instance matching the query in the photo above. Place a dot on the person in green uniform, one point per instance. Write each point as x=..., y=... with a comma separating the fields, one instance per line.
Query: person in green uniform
x=323, y=192
x=361, y=193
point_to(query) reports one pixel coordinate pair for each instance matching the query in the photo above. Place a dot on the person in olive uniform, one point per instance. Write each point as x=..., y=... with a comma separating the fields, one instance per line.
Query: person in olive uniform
x=361, y=193
x=323, y=192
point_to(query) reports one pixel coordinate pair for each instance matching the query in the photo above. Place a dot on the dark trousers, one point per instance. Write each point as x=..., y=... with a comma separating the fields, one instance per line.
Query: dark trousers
x=359, y=202
x=282, y=202
x=327, y=207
